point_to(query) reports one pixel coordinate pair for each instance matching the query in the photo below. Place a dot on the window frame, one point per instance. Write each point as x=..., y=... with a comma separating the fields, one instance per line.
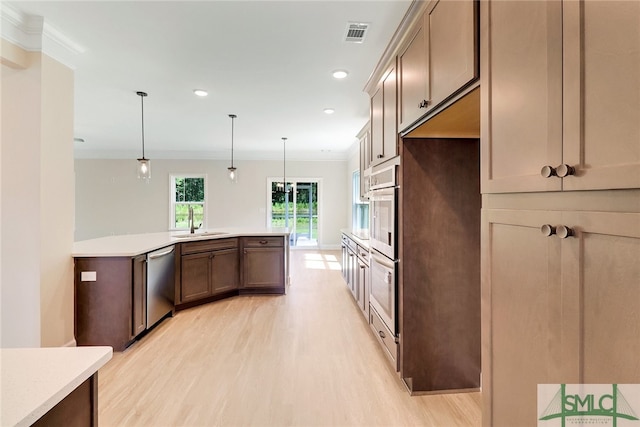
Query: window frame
x=173, y=203
x=357, y=204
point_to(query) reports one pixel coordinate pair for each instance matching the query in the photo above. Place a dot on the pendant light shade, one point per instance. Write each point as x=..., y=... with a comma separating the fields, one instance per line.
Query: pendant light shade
x=144, y=164
x=233, y=173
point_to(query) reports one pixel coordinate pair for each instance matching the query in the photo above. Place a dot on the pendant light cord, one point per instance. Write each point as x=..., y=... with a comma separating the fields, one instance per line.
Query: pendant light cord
x=142, y=95
x=233, y=116
x=284, y=164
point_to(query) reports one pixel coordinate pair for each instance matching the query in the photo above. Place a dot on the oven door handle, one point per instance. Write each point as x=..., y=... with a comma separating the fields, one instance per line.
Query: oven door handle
x=383, y=261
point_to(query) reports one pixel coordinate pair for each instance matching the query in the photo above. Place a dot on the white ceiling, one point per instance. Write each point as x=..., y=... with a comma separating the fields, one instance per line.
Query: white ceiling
x=268, y=62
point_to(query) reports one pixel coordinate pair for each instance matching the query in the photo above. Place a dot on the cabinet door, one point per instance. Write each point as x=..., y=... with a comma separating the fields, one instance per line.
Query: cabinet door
x=601, y=95
x=413, y=80
x=601, y=263
x=196, y=276
x=452, y=48
x=363, y=281
x=225, y=271
x=139, y=315
x=263, y=268
x=377, y=126
x=557, y=310
x=521, y=61
x=522, y=313
x=390, y=118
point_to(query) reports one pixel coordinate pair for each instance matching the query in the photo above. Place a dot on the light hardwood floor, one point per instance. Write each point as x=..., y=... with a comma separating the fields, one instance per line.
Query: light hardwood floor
x=306, y=358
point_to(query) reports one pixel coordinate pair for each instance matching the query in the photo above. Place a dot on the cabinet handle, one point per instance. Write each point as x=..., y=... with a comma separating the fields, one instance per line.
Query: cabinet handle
x=565, y=170
x=548, y=172
x=563, y=232
x=380, y=156
x=548, y=230
x=561, y=171
x=423, y=104
x=382, y=335
x=263, y=242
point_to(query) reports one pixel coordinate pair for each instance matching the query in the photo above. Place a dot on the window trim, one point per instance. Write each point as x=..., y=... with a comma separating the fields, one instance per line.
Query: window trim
x=173, y=203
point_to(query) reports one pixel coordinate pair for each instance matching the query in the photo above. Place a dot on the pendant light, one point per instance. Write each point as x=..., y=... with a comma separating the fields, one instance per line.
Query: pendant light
x=233, y=175
x=144, y=164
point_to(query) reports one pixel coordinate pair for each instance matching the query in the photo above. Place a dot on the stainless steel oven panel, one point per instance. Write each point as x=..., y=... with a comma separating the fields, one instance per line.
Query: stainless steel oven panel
x=384, y=289
x=382, y=224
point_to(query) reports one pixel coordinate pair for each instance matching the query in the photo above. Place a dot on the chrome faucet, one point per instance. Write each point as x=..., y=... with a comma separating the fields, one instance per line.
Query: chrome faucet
x=192, y=228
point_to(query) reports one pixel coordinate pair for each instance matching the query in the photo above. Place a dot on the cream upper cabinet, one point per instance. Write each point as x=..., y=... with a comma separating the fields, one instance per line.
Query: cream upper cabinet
x=384, y=122
x=521, y=95
x=377, y=125
x=602, y=94
x=558, y=307
x=414, y=77
x=560, y=95
x=452, y=45
x=439, y=58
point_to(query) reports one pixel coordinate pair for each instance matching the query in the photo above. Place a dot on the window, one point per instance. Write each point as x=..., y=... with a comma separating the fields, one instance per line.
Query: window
x=186, y=191
x=359, y=209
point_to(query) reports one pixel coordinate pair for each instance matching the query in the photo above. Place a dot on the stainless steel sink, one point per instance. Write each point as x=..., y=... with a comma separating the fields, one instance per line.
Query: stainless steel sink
x=200, y=234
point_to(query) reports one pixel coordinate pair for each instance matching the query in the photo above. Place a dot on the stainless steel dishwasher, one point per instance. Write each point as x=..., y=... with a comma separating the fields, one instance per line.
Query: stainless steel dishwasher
x=160, y=284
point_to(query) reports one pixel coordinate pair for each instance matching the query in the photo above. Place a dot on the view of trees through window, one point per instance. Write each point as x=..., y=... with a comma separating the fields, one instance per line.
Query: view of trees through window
x=296, y=209
x=188, y=191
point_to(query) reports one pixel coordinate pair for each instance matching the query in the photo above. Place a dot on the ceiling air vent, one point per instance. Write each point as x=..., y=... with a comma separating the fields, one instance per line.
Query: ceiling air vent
x=356, y=32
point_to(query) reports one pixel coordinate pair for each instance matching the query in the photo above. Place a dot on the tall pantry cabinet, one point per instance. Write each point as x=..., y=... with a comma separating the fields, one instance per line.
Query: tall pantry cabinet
x=560, y=177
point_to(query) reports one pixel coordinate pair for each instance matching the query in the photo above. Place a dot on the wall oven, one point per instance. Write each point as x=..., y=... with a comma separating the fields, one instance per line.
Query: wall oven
x=383, y=291
x=382, y=240
x=382, y=208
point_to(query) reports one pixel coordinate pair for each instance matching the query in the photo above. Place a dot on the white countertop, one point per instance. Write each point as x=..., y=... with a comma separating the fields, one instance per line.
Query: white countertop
x=34, y=380
x=361, y=237
x=136, y=244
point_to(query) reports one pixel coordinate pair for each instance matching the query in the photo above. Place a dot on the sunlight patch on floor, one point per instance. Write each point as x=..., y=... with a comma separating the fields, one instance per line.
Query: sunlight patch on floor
x=321, y=262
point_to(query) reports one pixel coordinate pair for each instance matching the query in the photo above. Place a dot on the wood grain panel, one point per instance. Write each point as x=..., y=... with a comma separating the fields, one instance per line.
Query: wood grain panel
x=440, y=281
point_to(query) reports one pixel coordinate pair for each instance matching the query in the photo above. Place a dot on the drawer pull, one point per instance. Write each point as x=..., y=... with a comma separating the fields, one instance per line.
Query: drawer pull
x=548, y=230
x=565, y=170
x=548, y=172
x=564, y=232
x=382, y=335
x=263, y=242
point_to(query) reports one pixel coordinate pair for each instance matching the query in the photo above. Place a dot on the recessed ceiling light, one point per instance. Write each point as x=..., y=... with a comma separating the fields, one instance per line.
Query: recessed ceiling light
x=340, y=74
x=329, y=110
x=200, y=92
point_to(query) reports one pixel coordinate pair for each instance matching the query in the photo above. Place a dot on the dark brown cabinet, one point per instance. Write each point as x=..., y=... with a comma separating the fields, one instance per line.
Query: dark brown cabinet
x=105, y=311
x=208, y=268
x=263, y=263
x=139, y=319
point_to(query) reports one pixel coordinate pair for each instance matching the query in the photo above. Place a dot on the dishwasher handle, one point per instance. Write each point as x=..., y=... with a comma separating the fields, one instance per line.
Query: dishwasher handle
x=161, y=254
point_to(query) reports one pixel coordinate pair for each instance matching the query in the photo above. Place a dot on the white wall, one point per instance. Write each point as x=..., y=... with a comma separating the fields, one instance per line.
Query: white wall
x=110, y=200
x=37, y=200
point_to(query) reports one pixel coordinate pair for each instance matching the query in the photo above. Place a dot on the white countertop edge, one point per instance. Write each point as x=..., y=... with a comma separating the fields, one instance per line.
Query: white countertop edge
x=131, y=245
x=49, y=394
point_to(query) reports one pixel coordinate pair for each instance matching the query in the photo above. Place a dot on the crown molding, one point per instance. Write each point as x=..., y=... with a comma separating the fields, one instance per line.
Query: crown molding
x=402, y=33
x=33, y=34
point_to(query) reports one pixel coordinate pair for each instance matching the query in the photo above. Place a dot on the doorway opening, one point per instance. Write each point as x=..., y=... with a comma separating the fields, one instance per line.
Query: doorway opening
x=296, y=209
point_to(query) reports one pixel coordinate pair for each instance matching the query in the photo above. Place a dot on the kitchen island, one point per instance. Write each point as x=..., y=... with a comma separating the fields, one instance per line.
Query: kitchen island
x=50, y=386
x=118, y=283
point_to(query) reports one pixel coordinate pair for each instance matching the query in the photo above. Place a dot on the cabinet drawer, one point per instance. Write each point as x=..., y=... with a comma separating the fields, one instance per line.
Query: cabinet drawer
x=261, y=242
x=209, y=245
x=385, y=337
